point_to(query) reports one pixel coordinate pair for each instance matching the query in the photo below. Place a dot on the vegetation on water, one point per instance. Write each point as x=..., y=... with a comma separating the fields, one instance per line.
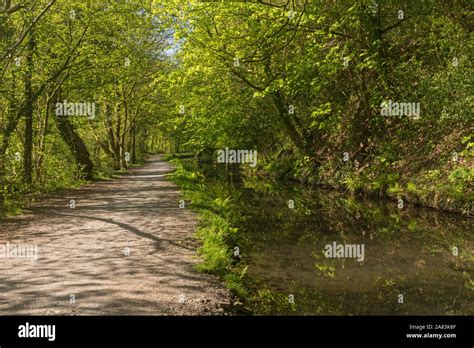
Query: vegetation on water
x=281, y=229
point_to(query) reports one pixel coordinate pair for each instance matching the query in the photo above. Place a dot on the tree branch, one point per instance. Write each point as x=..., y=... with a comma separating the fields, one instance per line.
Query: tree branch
x=26, y=31
x=394, y=25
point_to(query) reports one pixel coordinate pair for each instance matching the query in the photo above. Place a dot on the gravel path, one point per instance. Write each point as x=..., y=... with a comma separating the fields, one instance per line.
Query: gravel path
x=126, y=249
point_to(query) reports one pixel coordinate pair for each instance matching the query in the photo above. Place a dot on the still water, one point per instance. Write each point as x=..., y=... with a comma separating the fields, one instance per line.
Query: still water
x=413, y=260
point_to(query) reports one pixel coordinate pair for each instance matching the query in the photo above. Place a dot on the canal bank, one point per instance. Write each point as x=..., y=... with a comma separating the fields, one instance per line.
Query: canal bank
x=417, y=260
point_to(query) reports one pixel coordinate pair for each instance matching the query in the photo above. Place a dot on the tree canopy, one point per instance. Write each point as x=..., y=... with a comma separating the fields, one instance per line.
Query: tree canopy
x=301, y=81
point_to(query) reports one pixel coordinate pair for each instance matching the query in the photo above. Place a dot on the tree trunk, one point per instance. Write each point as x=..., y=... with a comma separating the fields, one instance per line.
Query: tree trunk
x=42, y=141
x=287, y=122
x=28, y=153
x=76, y=145
x=7, y=133
x=134, y=142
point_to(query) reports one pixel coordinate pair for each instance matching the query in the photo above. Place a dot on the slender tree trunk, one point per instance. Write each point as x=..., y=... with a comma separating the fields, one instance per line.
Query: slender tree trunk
x=119, y=148
x=28, y=153
x=287, y=122
x=125, y=130
x=134, y=142
x=285, y=117
x=42, y=140
x=2, y=184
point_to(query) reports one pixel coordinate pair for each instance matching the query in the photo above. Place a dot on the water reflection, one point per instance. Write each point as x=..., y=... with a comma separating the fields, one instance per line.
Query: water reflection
x=416, y=260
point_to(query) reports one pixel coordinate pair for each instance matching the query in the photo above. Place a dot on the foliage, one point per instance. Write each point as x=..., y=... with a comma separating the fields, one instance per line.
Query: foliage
x=216, y=233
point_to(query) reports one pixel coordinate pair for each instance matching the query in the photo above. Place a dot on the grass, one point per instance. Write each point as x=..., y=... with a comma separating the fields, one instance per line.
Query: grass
x=215, y=231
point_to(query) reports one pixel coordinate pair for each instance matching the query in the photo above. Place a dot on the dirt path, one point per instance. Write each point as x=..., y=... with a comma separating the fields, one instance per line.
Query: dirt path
x=127, y=248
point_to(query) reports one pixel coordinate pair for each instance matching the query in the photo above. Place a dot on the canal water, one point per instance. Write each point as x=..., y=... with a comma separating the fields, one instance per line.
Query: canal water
x=410, y=261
